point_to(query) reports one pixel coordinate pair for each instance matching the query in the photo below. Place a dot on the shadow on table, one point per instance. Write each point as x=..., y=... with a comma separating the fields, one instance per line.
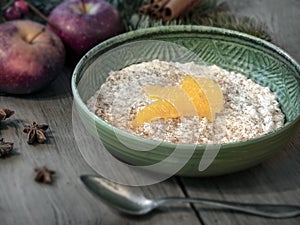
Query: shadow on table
x=59, y=88
x=280, y=173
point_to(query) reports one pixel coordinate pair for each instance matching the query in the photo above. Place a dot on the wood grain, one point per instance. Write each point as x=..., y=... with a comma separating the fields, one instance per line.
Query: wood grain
x=276, y=181
x=66, y=202
x=23, y=201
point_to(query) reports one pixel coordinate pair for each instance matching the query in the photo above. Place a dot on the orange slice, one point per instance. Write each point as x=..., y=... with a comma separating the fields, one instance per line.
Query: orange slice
x=213, y=93
x=161, y=109
x=197, y=96
x=194, y=97
x=175, y=95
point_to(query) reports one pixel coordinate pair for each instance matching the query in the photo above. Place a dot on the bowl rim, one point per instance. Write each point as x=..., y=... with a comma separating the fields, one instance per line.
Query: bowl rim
x=132, y=35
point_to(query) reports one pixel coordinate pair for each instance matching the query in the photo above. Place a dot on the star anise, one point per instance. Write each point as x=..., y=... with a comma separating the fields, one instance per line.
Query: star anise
x=5, y=113
x=43, y=175
x=5, y=148
x=36, y=132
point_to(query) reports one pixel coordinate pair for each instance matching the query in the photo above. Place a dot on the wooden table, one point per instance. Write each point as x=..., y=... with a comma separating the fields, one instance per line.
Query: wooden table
x=23, y=201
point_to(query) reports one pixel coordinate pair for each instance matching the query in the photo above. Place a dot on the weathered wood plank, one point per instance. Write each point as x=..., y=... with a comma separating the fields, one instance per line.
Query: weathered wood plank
x=23, y=201
x=277, y=180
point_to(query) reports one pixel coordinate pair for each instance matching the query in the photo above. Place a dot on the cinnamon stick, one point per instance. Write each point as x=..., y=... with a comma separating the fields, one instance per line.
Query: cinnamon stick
x=146, y=9
x=154, y=8
x=150, y=2
x=191, y=7
x=156, y=14
x=158, y=8
x=177, y=8
x=159, y=4
x=167, y=9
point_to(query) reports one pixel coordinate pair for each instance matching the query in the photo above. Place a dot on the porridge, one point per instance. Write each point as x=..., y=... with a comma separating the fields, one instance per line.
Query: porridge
x=248, y=109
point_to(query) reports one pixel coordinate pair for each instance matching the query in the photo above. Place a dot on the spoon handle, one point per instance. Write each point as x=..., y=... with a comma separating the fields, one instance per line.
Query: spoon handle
x=264, y=210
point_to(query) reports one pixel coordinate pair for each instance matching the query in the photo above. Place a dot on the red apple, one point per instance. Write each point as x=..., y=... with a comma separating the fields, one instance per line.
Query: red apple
x=83, y=24
x=31, y=56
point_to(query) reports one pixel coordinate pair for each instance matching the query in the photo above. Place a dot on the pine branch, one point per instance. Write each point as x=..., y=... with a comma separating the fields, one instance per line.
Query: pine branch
x=45, y=6
x=129, y=11
x=242, y=24
x=209, y=13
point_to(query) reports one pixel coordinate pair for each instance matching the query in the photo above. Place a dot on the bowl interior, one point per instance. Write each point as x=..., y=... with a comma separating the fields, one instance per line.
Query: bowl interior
x=259, y=60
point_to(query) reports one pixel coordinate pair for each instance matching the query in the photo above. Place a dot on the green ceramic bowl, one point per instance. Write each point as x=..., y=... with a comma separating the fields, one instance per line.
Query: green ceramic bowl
x=259, y=60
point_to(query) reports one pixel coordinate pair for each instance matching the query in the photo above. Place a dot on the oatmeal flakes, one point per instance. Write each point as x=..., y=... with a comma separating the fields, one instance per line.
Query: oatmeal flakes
x=250, y=110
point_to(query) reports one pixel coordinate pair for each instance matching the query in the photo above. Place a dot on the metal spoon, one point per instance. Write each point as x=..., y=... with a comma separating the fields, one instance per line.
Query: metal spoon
x=120, y=197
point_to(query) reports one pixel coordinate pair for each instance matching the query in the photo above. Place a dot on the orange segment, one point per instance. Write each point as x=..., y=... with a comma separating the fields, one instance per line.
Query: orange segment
x=197, y=96
x=175, y=95
x=161, y=109
x=194, y=97
x=213, y=93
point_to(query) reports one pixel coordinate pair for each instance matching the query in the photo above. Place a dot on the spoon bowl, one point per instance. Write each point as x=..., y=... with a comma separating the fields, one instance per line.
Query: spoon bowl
x=118, y=196
x=123, y=199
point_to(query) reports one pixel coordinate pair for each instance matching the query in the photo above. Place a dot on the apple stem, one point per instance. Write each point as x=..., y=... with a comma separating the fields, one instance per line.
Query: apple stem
x=40, y=14
x=36, y=35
